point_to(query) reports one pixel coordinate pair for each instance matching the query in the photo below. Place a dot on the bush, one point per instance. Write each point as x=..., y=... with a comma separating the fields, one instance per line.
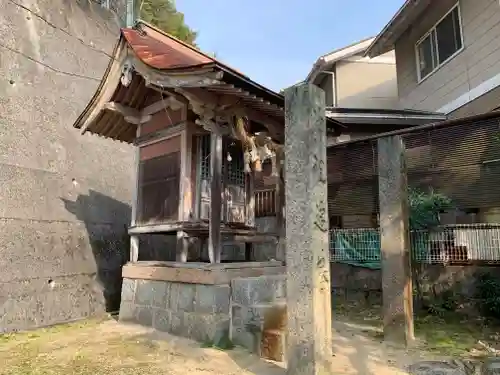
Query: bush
x=425, y=208
x=488, y=295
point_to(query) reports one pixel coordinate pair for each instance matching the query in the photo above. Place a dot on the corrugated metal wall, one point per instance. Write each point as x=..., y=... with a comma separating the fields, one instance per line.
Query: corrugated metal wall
x=461, y=161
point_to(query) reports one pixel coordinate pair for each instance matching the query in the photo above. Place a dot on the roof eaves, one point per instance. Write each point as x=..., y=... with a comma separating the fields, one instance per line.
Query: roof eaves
x=384, y=41
x=83, y=118
x=323, y=62
x=425, y=127
x=387, y=112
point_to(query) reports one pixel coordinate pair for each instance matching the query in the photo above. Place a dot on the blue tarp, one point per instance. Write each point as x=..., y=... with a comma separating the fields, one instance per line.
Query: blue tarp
x=362, y=248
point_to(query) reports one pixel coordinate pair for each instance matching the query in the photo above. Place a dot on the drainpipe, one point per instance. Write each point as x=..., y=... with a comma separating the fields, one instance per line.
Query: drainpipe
x=130, y=20
x=334, y=86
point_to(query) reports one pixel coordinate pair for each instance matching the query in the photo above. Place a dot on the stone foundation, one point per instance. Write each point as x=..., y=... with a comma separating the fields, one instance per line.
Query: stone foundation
x=196, y=311
x=191, y=300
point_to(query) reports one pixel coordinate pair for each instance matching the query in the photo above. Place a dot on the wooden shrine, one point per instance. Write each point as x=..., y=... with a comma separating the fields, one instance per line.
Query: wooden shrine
x=202, y=131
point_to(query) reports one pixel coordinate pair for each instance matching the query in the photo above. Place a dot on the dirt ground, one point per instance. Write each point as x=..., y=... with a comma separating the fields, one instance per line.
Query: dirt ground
x=107, y=347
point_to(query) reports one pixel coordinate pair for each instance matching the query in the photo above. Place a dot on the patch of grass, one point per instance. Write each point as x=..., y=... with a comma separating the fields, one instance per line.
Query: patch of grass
x=50, y=331
x=90, y=348
x=448, y=334
x=223, y=343
x=76, y=348
x=452, y=334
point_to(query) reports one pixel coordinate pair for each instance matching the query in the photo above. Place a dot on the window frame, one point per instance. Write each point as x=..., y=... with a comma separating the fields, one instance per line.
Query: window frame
x=434, y=41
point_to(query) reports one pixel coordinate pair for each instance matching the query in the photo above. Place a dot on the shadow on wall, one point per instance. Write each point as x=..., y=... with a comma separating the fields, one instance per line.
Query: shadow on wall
x=106, y=221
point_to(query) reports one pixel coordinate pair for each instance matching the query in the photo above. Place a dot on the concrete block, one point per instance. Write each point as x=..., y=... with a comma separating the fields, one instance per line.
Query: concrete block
x=145, y=315
x=159, y=293
x=185, y=297
x=222, y=299
x=253, y=319
x=166, y=296
x=143, y=293
x=150, y=293
x=199, y=326
x=221, y=335
x=178, y=324
x=128, y=312
x=212, y=299
x=128, y=289
x=162, y=320
x=207, y=328
x=173, y=296
x=248, y=340
x=240, y=291
x=264, y=289
x=237, y=315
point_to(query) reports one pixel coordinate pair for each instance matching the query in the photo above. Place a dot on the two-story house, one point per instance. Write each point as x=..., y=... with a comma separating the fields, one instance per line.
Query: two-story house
x=447, y=54
x=351, y=80
x=361, y=92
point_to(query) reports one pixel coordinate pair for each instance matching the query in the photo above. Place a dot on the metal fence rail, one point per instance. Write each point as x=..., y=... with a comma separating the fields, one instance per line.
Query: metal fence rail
x=458, y=244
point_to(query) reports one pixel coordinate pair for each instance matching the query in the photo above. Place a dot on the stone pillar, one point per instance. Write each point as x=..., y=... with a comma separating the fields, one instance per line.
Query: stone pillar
x=395, y=241
x=309, y=346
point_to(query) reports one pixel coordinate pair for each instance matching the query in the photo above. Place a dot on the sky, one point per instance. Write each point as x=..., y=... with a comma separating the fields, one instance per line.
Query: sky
x=276, y=42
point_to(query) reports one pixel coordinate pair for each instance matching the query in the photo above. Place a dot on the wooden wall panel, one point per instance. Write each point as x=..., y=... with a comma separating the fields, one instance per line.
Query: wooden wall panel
x=163, y=120
x=165, y=147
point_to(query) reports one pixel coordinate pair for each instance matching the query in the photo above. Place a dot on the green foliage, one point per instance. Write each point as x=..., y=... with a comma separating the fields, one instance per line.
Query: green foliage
x=488, y=295
x=442, y=304
x=223, y=342
x=424, y=212
x=425, y=208
x=164, y=15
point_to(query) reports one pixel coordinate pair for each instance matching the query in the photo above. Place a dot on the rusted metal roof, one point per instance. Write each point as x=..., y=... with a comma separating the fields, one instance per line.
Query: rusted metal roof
x=163, y=52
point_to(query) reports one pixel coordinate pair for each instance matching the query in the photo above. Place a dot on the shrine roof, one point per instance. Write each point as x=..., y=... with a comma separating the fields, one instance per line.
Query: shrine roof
x=162, y=62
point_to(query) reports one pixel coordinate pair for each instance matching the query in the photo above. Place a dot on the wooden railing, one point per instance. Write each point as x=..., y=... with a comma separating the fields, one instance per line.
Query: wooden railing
x=265, y=203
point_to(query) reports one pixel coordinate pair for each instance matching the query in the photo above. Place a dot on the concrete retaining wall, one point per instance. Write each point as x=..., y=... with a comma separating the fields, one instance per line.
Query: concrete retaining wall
x=358, y=283
x=63, y=207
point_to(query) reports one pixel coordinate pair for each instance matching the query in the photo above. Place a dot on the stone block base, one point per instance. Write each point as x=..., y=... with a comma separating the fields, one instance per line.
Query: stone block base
x=193, y=300
x=195, y=311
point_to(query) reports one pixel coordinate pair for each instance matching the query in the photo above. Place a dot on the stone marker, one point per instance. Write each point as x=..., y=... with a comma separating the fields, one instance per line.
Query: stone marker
x=394, y=241
x=309, y=346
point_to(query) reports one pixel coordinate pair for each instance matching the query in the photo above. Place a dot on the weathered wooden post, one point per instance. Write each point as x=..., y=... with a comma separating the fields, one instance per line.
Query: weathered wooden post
x=309, y=346
x=134, y=239
x=214, y=239
x=395, y=242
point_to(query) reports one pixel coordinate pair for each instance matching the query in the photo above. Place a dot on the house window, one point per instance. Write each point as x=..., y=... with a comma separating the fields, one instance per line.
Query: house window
x=440, y=44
